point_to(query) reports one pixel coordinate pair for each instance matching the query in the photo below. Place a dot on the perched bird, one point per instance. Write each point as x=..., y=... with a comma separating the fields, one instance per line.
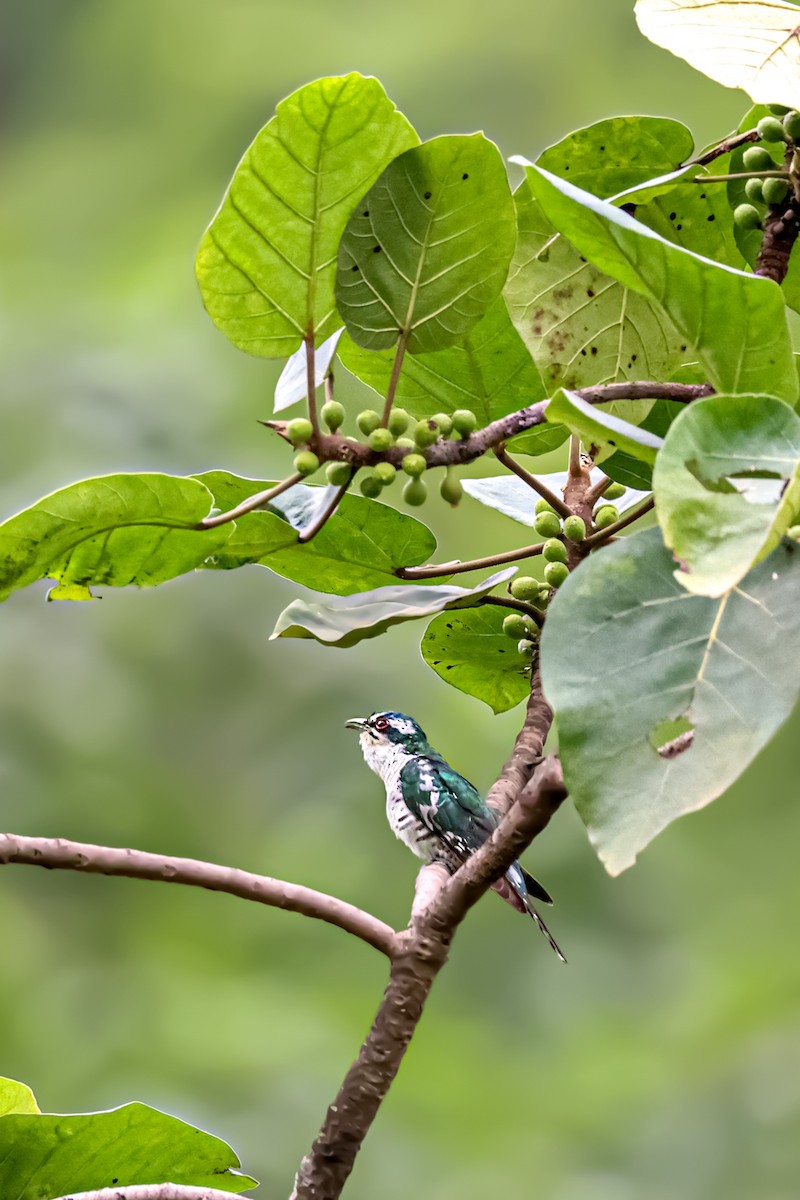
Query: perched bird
x=438, y=813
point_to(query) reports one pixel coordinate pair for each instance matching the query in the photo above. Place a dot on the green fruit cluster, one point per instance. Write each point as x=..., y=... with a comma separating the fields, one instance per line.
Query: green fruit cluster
x=606, y=515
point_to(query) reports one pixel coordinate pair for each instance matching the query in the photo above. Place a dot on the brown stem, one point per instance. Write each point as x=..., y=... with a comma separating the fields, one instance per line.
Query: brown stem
x=781, y=228
x=575, y=467
x=60, y=854
x=555, y=501
x=597, y=489
x=725, y=147
x=528, y=749
x=633, y=514
x=516, y=605
x=251, y=503
x=434, y=570
x=397, y=366
x=150, y=1191
x=577, y=494
x=311, y=383
x=325, y=516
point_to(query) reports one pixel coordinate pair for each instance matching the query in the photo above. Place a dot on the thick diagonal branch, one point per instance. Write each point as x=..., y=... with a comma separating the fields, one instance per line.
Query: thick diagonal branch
x=60, y=854
x=150, y=1191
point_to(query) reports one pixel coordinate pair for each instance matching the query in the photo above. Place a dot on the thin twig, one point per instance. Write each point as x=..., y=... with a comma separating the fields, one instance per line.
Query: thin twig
x=575, y=467
x=328, y=385
x=311, y=383
x=724, y=147
x=331, y=508
x=776, y=174
x=251, y=503
x=397, y=366
x=633, y=514
x=60, y=854
x=597, y=489
x=516, y=605
x=434, y=571
x=150, y=1191
x=555, y=501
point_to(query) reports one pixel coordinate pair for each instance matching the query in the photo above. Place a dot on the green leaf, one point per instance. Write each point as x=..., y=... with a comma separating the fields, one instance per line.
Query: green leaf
x=696, y=216
x=626, y=649
x=489, y=371
x=345, y=621
x=469, y=651
x=16, y=1098
x=266, y=264
x=743, y=44
x=634, y=473
x=512, y=496
x=53, y=1155
x=598, y=427
x=426, y=252
x=113, y=530
x=727, y=487
x=735, y=321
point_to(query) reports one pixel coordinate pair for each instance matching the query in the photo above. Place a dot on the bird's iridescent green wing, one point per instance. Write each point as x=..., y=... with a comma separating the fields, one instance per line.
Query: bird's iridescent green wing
x=447, y=804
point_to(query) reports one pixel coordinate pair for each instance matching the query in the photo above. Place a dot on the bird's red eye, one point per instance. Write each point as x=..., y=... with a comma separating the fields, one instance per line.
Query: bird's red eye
x=381, y=724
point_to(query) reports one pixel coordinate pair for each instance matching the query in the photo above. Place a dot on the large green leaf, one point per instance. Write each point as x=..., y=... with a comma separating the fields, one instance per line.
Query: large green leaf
x=266, y=264
x=43, y=1156
x=626, y=651
x=427, y=251
x=748, y=44
x=727, y=487
x=113, y=530
x=344, y=621
x=16, y=1098
x=735, y=321
x=600, y=428
x=469, y=651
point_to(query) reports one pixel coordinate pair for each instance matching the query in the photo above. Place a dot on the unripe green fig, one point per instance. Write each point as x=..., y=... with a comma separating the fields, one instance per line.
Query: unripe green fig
x=414, y=464
x=525, y=587
x=771, y=129
x=753, y=189
x=367, y=421
x=332, y=413
x=380, y=440
x=306, y=462
x=607, y=514
x=554, y=550
x=746, y=217
x=451, y=489
x=756, y=158
x=385, y=472
x=614, y=491
x=338, y=473
x=515, y=626
x=543, y=506
x=406, y=443
x=547, y=525
x=398, y=421
x=370, y=486
x=424, y=434
x=299, y=430
x=575, y=528
x=791, y=124
x=415, y=492
x=443, y=422
x=464, y=421
x=525, y=646
x=555, y=573
x=775, y=190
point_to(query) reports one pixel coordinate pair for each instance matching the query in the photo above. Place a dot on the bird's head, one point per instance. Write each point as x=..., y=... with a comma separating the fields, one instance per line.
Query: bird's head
x=385, y=736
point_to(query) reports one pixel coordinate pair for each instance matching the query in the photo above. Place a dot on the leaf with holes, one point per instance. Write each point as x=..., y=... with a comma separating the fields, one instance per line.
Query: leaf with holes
x=736, y=322
x=727, y=487
x=747, y=44
x=469, y=651
x=426, y=253
x=662, y=662
x=114, y=530
x=346, y=620
x=266, y=265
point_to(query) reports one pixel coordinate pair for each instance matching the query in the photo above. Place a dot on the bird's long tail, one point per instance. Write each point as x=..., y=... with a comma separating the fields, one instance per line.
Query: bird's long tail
x=543, y=928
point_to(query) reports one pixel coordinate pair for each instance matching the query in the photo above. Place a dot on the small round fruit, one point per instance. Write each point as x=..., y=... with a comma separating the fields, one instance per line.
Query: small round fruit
x=543, y=506
x=525, y=646
x=555, y=573
x=464, y=421
x=370, y=486
x=554, y=550
x=443, y=422
x=771, y=129
x=380, y=440
x=415, y=492
x=614, y=491
x=306, y=462
x=606, y=515
x=543, y=598
x=406, y=443
x=775, y=190
x=332, y=413
x=753, y=189
x=547, y=525
x=515, y=626
x=791, y=124
x=367, y=421
x=575, y=528
x=385, y=472
x=756, y=158
x=398, y=421
x=299, y=430
x=414, y=464
x=425, y=434
x=451, y=490
x=338, y=473
x=525, y=587
x=746, y=217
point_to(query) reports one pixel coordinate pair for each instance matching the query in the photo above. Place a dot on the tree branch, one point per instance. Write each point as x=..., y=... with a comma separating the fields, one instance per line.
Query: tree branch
x=556, y=502
x=725, y=147
x=324, y=517
x=150, y=1191
x=433, y=571
x=252, y=502
x=633, y=514
x=528, y=749
x=60, y=854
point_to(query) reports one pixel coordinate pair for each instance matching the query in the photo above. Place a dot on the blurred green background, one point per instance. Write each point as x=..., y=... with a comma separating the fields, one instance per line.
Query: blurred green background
x=664, y=1061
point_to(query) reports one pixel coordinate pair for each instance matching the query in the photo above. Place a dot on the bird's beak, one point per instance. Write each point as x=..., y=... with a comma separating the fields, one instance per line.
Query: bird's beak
x=358, y=723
